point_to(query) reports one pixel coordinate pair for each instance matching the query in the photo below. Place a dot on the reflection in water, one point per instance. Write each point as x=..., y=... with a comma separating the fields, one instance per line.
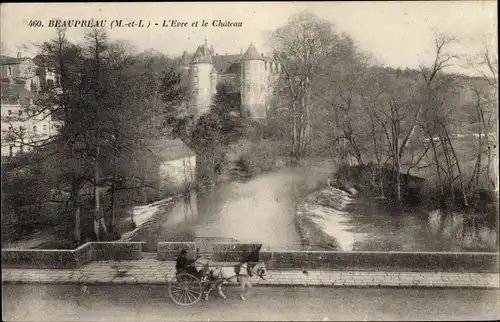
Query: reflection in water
x=434, y=231
x=262, y=210
x=462, y=232
x=181, y=218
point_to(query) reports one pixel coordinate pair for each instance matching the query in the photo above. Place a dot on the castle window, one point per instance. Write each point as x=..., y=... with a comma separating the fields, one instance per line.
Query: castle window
x=10, y=71
x=249, y=88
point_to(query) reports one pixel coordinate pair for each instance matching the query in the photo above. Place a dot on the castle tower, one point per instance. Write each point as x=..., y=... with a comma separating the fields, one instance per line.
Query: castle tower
x=185, y=61
x=202, y=75
x=213, y=76
x=253, y=84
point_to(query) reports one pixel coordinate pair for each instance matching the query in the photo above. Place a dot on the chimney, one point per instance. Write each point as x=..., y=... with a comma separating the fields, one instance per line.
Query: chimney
x=18, y=55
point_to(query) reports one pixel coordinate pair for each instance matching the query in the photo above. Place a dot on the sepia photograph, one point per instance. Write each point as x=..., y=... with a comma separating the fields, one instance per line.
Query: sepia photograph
x=250, y=161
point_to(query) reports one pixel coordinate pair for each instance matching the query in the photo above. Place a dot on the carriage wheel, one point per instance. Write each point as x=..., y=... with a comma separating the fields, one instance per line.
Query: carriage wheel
x=185, y=289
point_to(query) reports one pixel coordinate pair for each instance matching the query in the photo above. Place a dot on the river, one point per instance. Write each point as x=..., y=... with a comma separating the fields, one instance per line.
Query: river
x=261, y=210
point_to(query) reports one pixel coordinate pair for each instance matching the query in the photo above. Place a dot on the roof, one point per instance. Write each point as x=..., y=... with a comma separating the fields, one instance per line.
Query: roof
x=252, y=53
x=7, y=60
x=170, y=149
x=202, y=56
x=226, y=63
x=16, y=91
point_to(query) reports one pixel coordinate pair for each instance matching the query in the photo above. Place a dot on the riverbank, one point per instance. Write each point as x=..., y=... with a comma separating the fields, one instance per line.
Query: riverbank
x=332, y=219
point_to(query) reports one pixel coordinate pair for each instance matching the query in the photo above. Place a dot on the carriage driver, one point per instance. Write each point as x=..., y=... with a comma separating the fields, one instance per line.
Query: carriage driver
x=181, y=265
x=184, y=265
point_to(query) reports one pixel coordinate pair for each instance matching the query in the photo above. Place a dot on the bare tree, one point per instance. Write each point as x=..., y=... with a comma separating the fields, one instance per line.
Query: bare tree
x=302, y=47
x=397, y=112
x=435, y=118
x=485, y=93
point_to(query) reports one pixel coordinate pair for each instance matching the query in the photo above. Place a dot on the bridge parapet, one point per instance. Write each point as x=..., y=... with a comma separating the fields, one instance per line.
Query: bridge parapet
x=71, y=258
x=383, y=261
x=220, y=251
x=275, y=259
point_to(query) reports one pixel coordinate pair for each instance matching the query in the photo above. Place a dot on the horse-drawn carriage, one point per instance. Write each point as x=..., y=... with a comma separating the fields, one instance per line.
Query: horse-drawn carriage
x=196, y=278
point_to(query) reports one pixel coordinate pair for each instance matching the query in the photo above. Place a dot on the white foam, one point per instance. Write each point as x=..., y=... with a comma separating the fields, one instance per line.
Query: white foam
x=333, y=221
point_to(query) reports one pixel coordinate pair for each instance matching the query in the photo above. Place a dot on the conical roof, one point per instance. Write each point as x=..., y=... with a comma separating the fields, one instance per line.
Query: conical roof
x=252, y=53
x=202, y=56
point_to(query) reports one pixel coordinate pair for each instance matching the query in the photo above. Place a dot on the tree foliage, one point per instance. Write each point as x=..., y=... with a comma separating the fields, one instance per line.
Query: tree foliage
x=111, y=102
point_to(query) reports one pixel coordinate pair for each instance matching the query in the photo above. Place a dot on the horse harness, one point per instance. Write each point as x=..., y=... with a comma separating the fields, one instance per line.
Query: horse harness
x=237, y=270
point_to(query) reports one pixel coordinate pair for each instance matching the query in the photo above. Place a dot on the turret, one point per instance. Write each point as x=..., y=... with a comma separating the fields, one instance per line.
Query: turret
x=213, y=76
x=253, y=84
x=185, y=61
x=201, y=72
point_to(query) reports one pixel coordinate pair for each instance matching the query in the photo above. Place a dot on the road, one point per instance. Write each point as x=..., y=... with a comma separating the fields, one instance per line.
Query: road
x=150, y=303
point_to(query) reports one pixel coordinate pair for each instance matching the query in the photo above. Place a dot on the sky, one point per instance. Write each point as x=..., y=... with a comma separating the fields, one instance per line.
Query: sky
x=397, y=34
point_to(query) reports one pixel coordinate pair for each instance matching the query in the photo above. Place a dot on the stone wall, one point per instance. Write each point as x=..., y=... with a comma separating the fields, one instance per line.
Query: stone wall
x=224, y=252
x=282, y=260
x=117, y=251
x=71, y=258
x=27, y=258
x=383, y=261
x=166, y=251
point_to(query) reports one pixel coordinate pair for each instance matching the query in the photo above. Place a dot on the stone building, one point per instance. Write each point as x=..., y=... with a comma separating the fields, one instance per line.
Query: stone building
x=20, y=71
x=23, y=128
x=177, y=164
x=251, y=74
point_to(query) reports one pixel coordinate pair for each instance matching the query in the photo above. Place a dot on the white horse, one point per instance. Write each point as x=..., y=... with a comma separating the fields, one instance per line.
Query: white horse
x=237, y=274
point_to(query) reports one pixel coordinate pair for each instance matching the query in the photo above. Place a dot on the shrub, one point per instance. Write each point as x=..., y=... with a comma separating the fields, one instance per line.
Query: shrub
x=254, y=158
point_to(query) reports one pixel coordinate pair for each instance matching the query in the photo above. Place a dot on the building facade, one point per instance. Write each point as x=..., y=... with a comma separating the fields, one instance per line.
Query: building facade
x=23, y=125
x=251, y=74
x=177, y=164
x=20, y=71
